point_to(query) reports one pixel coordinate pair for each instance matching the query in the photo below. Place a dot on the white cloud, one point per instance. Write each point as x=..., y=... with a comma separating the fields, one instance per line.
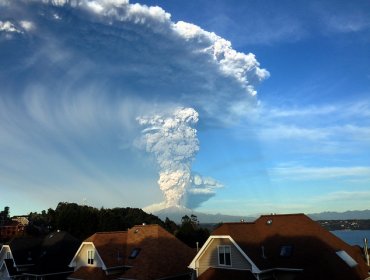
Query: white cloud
x=82, y=71
x=7, y=26
x=27, y=25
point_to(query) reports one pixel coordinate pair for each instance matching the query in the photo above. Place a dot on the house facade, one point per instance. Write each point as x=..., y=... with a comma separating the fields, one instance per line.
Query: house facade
x=278, y=247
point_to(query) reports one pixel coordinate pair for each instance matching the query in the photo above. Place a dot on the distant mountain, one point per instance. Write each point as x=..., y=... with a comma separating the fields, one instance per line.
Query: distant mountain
x=348, y=215
x=176, y=213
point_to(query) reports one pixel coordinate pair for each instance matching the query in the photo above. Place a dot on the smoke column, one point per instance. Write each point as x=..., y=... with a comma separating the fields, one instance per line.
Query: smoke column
x=173, y=141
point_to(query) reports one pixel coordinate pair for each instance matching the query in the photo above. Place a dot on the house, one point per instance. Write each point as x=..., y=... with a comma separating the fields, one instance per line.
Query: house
x=143, y=252
x=278, y=247
x=38, y=258
x=11, y=229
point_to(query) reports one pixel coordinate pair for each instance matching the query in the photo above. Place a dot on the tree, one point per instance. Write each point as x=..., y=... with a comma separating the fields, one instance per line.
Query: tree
x=5, y=216
x=190, y=232
x=170, y=226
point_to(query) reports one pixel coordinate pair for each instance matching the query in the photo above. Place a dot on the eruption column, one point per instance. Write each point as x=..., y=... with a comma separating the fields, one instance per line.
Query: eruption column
x=173, y=141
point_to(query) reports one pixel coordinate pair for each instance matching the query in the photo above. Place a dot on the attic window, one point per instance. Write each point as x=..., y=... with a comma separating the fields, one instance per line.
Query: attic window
x=224, y=255
x=8, y=256
x=347, y=258
x=134, y=253
x=90, y=257
x=286, y=251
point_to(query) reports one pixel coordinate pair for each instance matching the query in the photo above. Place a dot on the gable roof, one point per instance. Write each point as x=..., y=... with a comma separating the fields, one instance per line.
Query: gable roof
x=8, y=265
x=111, y=247
x=42, y=255
x=161, y=254
x=313, y=248
x=55, y=251
x=25, y=250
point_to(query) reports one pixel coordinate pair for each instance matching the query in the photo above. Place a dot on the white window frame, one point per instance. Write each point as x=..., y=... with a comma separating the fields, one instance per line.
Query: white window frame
x=219, y=251
x=90, y=257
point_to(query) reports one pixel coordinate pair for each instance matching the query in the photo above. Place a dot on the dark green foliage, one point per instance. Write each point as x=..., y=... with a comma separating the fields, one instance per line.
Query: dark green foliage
x=170, y=225
x=5, y=216
x=81, y=221
x=190, y=232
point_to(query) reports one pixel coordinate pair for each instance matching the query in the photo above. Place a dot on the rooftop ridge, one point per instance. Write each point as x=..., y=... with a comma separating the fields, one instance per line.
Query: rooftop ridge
x=290, y=214
x=147, y=225
x=110, y=232
x=238, y=223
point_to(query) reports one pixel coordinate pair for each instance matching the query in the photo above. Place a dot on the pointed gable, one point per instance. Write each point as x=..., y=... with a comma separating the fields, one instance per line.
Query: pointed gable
x=294, y=241
x=160, y=254
x=111, y=247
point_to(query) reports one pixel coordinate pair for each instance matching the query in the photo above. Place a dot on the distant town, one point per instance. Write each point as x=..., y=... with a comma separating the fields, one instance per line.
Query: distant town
x=345, y=224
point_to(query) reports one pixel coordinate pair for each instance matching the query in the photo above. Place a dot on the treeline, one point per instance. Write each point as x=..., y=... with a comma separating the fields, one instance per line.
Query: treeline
x=5, y=216
x=82, y=221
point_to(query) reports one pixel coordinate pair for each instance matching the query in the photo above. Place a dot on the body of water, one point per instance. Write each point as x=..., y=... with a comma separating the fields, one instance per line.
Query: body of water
x=353, y=237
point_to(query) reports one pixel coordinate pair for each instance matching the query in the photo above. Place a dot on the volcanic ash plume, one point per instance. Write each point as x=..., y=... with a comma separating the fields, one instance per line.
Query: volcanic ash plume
x=173, y=141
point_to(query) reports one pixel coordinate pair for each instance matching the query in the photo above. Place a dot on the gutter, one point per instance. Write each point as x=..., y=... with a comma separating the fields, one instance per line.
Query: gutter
x=47, y=274
x=282, y=269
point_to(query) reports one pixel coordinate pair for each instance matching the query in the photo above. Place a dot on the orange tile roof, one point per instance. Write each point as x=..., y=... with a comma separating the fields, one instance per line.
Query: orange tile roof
x=222, y=274
x=161, y=253
x=111, y=247
x=314, y=248
x=88, y=273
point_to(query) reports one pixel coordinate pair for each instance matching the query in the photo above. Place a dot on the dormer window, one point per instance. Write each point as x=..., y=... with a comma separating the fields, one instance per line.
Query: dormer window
x=134, y=253
x=224, y=255
x=8, y=256
x=90, y=257
x=286, y=251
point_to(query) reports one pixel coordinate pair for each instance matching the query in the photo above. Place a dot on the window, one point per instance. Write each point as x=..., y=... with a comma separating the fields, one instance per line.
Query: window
x=286, y=251
x=134, y=253
x=90, y=257
x=224, y=255
x=8, y=256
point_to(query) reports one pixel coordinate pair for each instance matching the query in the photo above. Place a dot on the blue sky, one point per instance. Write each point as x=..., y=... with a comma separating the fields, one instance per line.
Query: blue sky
x=100, y=100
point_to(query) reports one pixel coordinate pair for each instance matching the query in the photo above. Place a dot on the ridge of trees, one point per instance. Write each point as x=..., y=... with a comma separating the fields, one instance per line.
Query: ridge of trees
x=82, y=221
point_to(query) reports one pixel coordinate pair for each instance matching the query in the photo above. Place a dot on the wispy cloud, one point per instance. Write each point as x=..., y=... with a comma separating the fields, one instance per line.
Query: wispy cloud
x=291, y=172
x=343, y=18
x=329, y=128
x=344, y=196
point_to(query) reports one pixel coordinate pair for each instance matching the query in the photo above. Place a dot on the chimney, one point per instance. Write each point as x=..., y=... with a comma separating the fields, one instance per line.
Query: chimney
x=366, y=252
x=197, y=246
x=263, y=252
